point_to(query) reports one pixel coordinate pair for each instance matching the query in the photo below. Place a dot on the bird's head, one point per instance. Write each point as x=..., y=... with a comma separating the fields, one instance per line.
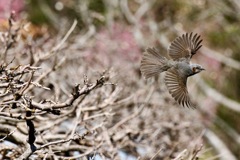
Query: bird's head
x=196, y=68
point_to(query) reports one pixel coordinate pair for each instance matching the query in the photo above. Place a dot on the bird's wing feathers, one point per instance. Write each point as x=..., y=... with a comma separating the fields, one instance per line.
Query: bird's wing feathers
x=177, y=86
x=185, y=46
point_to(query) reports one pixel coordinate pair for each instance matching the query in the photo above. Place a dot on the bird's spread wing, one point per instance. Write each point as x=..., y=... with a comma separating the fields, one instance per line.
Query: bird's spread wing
x=185, y=46
x=177, y=87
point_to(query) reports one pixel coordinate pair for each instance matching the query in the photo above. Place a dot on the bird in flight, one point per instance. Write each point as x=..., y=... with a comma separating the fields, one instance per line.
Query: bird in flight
x=178, y=67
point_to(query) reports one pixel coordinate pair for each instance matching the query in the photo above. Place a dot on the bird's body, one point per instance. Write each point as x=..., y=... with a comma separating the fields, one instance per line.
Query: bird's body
x=178, y=68
x=184, y=69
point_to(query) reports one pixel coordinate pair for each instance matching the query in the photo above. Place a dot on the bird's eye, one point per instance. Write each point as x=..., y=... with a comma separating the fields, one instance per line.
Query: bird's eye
x=194, y=69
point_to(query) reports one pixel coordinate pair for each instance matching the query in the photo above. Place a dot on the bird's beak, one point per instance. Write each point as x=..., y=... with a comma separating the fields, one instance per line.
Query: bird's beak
x=203, y=69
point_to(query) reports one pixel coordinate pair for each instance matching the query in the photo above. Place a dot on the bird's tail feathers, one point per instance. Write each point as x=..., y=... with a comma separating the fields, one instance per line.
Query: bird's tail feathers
x=153, y=63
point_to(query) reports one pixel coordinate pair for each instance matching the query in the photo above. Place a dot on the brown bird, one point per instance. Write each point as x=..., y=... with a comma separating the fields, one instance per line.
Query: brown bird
x=178, y=68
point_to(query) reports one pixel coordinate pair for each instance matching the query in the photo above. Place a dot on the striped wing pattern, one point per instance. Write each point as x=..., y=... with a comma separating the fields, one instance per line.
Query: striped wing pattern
x=177, y=87
x=185, y=46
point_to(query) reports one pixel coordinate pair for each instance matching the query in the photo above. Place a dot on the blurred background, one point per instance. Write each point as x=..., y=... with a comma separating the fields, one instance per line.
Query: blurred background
x=113, y=34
